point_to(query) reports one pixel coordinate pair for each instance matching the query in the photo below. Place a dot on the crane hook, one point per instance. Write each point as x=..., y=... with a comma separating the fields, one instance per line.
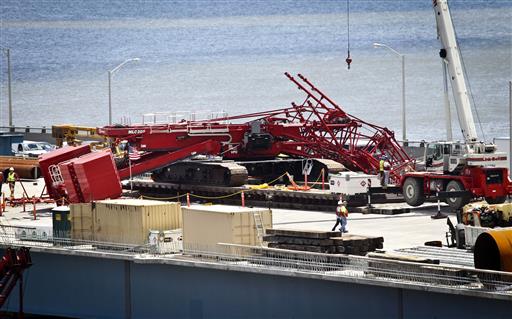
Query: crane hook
x=348, y=60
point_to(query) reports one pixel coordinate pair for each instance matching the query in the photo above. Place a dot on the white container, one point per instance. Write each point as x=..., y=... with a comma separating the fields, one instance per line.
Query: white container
x=351, y=183
x=171, y=241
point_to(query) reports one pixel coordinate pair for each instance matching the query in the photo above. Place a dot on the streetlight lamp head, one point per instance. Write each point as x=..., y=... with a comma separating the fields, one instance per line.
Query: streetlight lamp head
x=136, y=59
x=376, y=45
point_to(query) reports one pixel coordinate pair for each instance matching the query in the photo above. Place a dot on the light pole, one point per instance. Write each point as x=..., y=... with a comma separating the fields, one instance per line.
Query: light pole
x=402, y=57
x=9, y=90
x=110, y=75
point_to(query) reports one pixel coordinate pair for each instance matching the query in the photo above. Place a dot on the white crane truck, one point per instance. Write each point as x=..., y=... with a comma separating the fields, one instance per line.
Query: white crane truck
x=472, y=169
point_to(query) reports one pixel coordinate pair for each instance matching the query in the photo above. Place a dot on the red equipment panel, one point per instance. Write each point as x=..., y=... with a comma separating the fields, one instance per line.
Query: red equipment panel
x=55, y=157
x=67, y=172
x=91, y=177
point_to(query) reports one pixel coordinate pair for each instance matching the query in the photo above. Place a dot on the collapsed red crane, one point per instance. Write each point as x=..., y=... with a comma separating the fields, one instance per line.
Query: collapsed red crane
x=315, y=128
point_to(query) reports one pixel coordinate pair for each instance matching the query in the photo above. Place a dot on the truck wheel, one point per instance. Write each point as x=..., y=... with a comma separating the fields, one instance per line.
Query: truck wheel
x=413, y=191
x=456, y=202
x=497, y=200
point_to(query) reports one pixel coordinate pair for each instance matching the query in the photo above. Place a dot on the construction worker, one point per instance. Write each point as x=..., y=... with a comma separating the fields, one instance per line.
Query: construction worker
x=1, y=181
x=387, y=170
x=381, y=169
x=341, y=216
x=11, y=180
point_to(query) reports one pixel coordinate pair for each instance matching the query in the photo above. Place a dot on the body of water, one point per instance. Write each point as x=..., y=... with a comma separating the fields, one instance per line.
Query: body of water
x=231, y=55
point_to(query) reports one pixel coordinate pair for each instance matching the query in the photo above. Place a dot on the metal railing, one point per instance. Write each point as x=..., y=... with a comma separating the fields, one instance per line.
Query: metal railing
x=26, y=129
x=356, y=267
x=373, y=270
x=181, y=116
x=16, y=236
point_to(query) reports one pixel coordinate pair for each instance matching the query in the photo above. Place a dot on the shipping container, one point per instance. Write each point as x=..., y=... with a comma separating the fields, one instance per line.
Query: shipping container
x=81, y=221
x=205, y=226
x=126, y=221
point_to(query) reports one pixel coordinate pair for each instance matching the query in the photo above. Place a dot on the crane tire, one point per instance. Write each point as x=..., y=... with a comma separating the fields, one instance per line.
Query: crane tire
x=413, y=191
x=456, y=202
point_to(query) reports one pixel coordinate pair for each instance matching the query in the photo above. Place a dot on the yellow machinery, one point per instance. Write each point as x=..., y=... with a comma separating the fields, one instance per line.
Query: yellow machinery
x=489, y=228
x=481, y=214
x=74, y=135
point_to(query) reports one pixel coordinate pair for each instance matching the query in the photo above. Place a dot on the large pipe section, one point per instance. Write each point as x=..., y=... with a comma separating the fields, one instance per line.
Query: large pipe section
x=24, y=167
x=493, y=250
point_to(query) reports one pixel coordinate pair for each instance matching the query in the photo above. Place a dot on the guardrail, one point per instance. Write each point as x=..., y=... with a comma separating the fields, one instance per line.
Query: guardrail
x=386, y=271
x=489, y=284
x=26, y=129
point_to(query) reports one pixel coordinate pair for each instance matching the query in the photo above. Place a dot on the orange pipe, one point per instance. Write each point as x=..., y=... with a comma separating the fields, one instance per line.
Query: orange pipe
x=493, y=250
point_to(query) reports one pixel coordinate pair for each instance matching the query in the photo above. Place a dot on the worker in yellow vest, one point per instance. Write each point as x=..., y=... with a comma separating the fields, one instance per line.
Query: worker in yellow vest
x=341, y=216
x=11, y=180
x=381, y=169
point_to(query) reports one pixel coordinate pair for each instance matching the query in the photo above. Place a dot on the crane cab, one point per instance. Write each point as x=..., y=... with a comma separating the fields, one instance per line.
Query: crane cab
x=452, y=157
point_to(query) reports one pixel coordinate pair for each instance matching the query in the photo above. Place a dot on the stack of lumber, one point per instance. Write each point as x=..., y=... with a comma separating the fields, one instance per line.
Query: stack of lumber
x=322, y=242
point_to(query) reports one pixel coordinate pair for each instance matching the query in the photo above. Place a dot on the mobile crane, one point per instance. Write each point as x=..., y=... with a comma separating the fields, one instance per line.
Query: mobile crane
x=473, y=168
x=316, y=128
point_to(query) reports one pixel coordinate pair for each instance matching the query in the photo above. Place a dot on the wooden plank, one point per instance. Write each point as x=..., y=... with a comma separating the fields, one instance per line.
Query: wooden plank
x=414, y=259
x=298, y=240
x=316, y=249
x=302, y=233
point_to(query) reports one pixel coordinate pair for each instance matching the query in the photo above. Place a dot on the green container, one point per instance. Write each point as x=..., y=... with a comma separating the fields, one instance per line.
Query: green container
x=61, y=220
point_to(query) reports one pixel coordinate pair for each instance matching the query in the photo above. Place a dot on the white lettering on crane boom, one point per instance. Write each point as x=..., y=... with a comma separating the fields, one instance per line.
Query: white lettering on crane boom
x=136, y=131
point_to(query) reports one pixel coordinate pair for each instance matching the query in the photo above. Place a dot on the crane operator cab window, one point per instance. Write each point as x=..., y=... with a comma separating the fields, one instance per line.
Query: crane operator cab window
x=434, y=153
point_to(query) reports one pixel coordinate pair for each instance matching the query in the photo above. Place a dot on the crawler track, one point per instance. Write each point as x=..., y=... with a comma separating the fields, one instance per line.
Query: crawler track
x=311, y=200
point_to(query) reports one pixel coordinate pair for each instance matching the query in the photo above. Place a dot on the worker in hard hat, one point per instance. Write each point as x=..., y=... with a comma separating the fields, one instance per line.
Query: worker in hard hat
x=11, y=180
x=341, y=216
x=381, y=169
x=384, y=170
x=387, y=171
